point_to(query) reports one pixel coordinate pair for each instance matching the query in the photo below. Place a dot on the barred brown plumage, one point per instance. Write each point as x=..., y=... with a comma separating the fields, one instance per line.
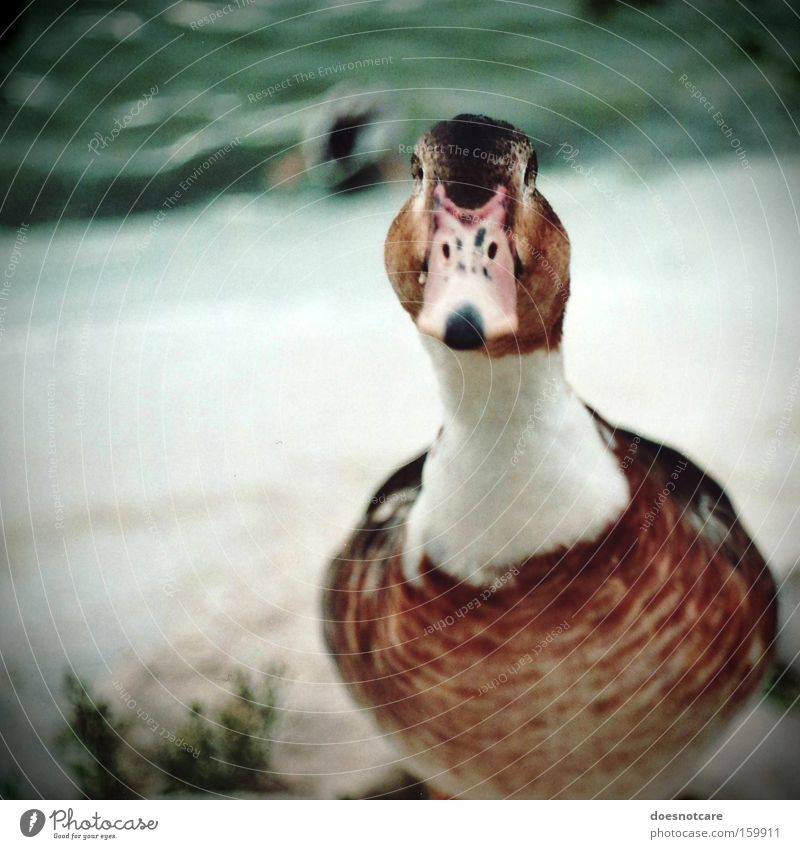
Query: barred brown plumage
x=669, y=632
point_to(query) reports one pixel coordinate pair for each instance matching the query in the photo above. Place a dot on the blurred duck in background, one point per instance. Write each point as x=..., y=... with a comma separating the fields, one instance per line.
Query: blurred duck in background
x=349, y=144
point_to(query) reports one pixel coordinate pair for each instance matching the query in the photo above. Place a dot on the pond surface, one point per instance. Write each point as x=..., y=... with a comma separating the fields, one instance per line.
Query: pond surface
x=108, y=107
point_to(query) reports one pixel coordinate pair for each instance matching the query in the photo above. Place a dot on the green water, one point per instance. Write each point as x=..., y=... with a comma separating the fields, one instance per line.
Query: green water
x=162, y=88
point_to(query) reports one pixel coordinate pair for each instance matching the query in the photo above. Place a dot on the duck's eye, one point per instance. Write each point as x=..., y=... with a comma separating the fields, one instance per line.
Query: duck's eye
x=446, y=250
x=492, y=252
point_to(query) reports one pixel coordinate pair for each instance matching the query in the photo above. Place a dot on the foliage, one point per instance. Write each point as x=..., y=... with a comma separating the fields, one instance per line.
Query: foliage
x=226, y=752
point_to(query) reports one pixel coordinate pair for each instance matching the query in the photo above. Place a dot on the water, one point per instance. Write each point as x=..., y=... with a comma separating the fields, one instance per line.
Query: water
x=107, y=107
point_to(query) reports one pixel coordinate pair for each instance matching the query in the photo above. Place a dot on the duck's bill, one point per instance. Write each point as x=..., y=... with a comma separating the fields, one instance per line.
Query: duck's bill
x=470, y=292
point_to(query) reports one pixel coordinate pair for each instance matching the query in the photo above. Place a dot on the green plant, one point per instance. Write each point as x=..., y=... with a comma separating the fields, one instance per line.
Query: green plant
x=783, y=687
x=93, y=745
x=229, y=753
x=226, y=753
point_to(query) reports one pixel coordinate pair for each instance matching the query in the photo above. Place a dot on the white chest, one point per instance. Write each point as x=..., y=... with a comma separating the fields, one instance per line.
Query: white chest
x=520, y=468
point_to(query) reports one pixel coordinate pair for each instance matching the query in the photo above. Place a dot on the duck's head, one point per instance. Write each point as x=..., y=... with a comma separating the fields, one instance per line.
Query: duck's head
x=476, y=255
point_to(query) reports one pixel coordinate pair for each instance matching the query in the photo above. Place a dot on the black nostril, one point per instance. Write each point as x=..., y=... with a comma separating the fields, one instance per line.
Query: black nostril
x=464, y=330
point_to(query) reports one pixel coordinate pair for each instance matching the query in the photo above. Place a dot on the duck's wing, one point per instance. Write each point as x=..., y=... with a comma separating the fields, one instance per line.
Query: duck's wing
x=402, y=487
x=357, y=565
x=376, y=536
x=703, y=503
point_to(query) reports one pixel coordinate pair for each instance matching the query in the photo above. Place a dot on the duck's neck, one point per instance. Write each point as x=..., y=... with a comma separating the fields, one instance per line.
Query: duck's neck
x=519, y=469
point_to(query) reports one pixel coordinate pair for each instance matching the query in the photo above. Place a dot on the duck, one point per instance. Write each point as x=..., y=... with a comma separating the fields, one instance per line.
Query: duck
x=348, y=139
x=345, y=145
x=541, y=605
